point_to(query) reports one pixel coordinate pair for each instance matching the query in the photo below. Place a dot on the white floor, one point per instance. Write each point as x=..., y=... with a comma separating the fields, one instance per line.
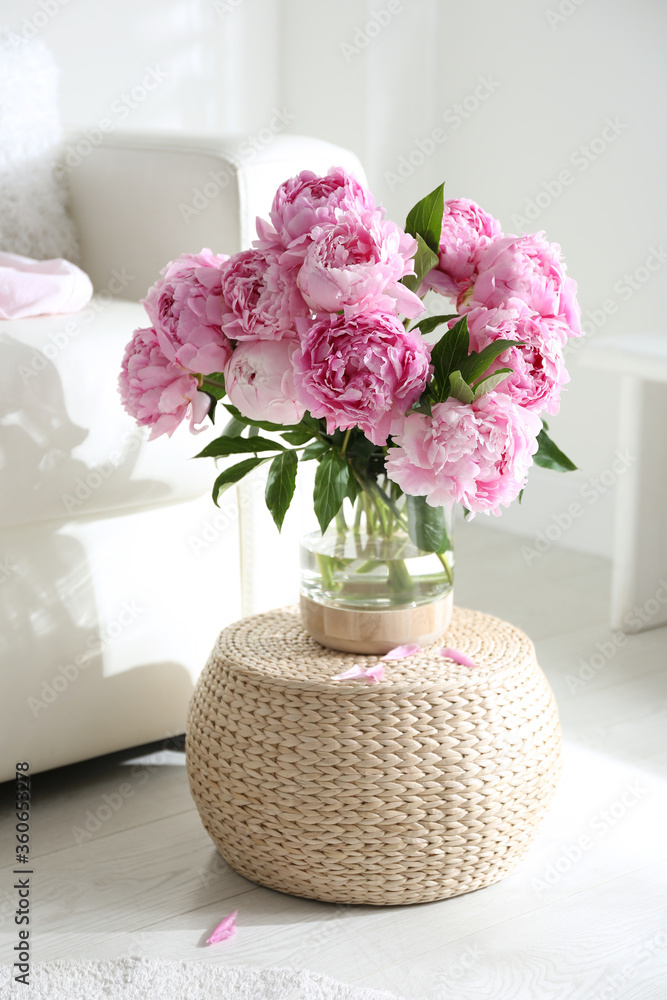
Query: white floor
x=583, y=918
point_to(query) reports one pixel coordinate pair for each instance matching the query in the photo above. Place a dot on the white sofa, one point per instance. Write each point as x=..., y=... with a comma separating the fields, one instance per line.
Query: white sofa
x=116, y=569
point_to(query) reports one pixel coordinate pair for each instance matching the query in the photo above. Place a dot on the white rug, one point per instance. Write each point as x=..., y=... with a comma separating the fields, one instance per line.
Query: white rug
x=153, y=979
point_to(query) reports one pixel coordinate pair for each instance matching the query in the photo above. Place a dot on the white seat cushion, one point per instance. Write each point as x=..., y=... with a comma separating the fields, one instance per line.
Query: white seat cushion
x=67, y=447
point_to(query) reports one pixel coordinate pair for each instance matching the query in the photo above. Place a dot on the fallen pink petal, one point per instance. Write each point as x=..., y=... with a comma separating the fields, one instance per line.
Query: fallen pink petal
x=225, y=929
x=400, y=652
x=374, y=674
x=453, y=654
x=358, y=673
x=353, y=674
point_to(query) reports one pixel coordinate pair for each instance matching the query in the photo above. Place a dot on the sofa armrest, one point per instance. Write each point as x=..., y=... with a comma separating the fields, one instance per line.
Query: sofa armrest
x=138, y=201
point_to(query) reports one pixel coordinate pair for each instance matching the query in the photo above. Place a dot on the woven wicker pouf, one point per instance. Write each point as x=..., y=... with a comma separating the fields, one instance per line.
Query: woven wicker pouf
x=428, y=784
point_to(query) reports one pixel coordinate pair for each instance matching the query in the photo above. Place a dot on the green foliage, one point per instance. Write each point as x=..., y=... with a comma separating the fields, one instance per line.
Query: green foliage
x=280, y=485
x=459, y=389
x=233, y=428
x=331, y=486
x=431, y=323
x=225, y=445
x=476, y=364
x=549, y=455
x=425, y=261
x=213, y=386
x=314, y=450
x=298, y=436
x=447, y=356
x=426, y=525
x=265, y=425
x=456, y=368
x=489, y=382
x=234, y=475
x=425, y=218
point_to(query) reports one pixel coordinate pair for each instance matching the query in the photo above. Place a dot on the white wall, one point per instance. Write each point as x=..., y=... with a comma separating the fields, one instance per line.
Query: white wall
x=379, y=77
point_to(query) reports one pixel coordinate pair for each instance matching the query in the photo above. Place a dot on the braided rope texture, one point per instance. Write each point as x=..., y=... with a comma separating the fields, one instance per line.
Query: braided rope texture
x=431, y=783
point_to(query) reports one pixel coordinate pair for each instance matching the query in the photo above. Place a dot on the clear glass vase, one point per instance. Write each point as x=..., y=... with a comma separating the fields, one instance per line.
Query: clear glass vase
x=381, y=574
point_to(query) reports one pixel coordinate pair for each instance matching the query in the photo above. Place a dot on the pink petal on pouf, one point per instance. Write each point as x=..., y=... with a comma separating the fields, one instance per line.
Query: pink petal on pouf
x=400, y=652
x=453, y=654
x=225, y=929
x=371, y=674
x=353, y=674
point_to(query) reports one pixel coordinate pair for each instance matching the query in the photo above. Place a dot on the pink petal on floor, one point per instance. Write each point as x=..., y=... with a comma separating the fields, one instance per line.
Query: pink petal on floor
x=225, y=929
x=400, y=652
x=453, y=654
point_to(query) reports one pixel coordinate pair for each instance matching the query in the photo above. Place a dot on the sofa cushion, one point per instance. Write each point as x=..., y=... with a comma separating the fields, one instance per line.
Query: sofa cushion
x=67, y=447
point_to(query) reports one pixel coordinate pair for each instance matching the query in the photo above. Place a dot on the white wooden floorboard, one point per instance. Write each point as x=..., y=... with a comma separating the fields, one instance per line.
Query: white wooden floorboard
x=588, y=903
x=150, y=791
x=601, y=943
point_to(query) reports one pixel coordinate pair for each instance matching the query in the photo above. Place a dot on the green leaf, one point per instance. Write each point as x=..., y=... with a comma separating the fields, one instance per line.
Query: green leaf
x=424, y=404
x=447, y=356
x=549, y=456
x=308, y=420
x=489, y=382
x=280, y=485
x=212, y=406
x=459, y=389
x=360, y=449
x=223, y=446
x=214, y=385
x=426, y=525
x=425, y=261
x=371, y=484
x=234, y=475
x=314, y=450
x=476, y=364
x=352, y=488
x=425, y=218
x=331, y=484
x=234, y=428
x=298, y=436
x=431, y=323
x=264, y=424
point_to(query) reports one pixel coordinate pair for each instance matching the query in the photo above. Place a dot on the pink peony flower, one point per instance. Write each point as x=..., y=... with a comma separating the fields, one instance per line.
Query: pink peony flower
x=158, y=392
x=538, y=367
x=308, y=200
x=185, y=307
x=360, y=370
x=476, y=454
x=466, y=232
x=358, y=261
x=527, y=268
x=262, y=296
x=260, y=381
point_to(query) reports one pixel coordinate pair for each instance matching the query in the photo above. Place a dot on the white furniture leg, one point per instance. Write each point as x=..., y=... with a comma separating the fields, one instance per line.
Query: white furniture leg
x=639, y=583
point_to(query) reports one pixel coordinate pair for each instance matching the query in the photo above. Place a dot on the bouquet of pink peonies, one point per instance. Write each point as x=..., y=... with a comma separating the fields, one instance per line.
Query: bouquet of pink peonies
x=316, y=336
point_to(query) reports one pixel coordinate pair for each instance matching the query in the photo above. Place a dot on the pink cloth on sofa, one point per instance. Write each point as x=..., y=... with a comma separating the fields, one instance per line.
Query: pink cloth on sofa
x=41, y=287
